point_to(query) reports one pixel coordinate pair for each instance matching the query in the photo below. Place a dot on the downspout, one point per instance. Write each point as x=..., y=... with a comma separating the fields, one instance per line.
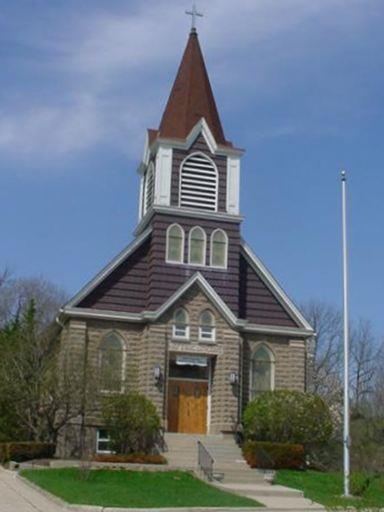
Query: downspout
x=241, y=383
x=83, y=397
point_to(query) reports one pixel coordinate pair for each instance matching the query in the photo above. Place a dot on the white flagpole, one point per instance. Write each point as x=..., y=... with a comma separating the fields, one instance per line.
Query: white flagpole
x=346, y=438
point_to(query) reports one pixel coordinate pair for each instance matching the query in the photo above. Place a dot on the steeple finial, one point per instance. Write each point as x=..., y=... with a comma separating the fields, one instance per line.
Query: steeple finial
x=194, y=14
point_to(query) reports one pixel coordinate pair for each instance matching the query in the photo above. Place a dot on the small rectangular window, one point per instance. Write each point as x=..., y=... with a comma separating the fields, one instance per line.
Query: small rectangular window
x=102, y=441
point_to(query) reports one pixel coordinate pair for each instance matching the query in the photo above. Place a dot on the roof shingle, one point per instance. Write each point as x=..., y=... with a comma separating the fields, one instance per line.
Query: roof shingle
x=191, y=98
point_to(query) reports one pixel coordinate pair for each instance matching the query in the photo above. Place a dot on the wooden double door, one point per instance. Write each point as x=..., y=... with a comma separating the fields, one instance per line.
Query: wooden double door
x=187, y=406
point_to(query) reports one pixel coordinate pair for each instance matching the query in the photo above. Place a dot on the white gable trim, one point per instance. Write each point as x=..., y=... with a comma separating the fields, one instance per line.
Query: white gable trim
x=101, y=314
x=147, y=316
x=71, y=310
x=203, y=128
x=108, y=269
x=275, y=288
x=278, y=331
x=209, y=291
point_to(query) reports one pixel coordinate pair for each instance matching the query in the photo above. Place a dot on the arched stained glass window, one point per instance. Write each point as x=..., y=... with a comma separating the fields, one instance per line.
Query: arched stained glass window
x=197, y=246
x=180, y=324
x=111, y=362
x=175, y=244
x=262, y=370
x=207, y=329
x=219, y=249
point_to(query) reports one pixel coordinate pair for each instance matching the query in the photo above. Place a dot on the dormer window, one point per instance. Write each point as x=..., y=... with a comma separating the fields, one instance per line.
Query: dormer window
x=148, y=192
x=198, y=183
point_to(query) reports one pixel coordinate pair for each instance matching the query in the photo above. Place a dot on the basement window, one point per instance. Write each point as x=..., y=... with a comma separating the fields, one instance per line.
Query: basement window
x=102, y=441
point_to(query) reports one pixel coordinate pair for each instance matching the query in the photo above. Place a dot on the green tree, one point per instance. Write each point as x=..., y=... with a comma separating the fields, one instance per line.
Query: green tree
x=38, y=391
x=132, y=422
x=288, y=417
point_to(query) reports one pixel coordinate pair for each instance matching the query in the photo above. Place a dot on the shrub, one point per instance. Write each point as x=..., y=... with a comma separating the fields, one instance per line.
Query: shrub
x=327, y=456
x=360, y=482
x=288, y=417
x=132, y=422
x=20, y=452
x=132, y=458
x=266, y=455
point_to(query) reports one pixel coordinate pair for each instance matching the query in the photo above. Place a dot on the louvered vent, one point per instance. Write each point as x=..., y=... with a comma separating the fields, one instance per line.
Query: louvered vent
x=149, y=186
x=198, y=187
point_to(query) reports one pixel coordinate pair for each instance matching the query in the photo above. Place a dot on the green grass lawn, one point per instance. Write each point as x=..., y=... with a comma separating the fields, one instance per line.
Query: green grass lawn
x=327, y=488
x=141, y=489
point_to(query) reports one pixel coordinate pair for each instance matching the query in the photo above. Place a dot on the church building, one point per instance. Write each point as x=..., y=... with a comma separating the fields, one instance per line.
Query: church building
x=187, y=314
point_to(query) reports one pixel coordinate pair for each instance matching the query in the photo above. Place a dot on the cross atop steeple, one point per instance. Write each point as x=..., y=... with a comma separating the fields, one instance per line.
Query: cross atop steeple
x=194, y=14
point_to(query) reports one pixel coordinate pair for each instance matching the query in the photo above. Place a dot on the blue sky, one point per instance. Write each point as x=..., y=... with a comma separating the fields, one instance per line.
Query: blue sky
x=299, y=84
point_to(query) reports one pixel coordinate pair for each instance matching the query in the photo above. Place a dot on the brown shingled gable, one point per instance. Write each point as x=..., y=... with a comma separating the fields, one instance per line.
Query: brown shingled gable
x=191, y=98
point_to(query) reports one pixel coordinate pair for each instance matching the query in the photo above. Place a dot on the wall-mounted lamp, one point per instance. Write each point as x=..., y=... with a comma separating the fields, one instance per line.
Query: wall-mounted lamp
x=233, y=378
x=157, y=373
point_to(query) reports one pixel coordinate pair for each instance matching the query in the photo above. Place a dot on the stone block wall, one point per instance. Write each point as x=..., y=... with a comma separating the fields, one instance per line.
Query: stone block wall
x=289, y=371
x=149, y=345
x=80, y=342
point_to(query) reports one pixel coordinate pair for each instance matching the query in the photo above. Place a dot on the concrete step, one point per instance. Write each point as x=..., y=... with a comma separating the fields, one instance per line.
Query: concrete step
x=230, y=466
x=263, y=490
x=277, y=504
x=241, y=479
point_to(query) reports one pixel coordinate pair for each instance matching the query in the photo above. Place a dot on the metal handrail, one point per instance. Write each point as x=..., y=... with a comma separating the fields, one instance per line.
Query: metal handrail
x=205, y=460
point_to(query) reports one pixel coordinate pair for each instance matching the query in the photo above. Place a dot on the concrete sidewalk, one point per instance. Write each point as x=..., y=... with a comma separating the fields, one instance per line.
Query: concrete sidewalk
x=15, y=496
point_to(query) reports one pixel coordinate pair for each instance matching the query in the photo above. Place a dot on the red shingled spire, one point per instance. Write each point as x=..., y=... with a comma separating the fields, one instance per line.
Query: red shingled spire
x=191, y=97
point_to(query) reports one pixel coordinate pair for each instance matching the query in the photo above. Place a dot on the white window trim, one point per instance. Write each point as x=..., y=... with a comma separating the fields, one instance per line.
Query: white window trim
x=123, y=362
x=101, y=439
x=273, y=364
x=187, y=330
x=182, y=245
x=226, y=249
x=213, y=338
x=206, y=340
x=204, y=264
x=191, y=155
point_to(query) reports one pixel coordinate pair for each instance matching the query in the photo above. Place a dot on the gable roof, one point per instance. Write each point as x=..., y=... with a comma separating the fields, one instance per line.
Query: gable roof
x=108, y=269
x=265, y=275
x=191, y=97
x=119, y=293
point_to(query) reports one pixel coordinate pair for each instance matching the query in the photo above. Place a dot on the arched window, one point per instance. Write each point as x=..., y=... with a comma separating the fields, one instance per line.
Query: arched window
x=262, y=370
x=149, y=185
x=207, y=329
x=175, y=244
x=180, y=324
x=219, y=249
x=197, y=246
x=111, y=362
x=198, y=183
